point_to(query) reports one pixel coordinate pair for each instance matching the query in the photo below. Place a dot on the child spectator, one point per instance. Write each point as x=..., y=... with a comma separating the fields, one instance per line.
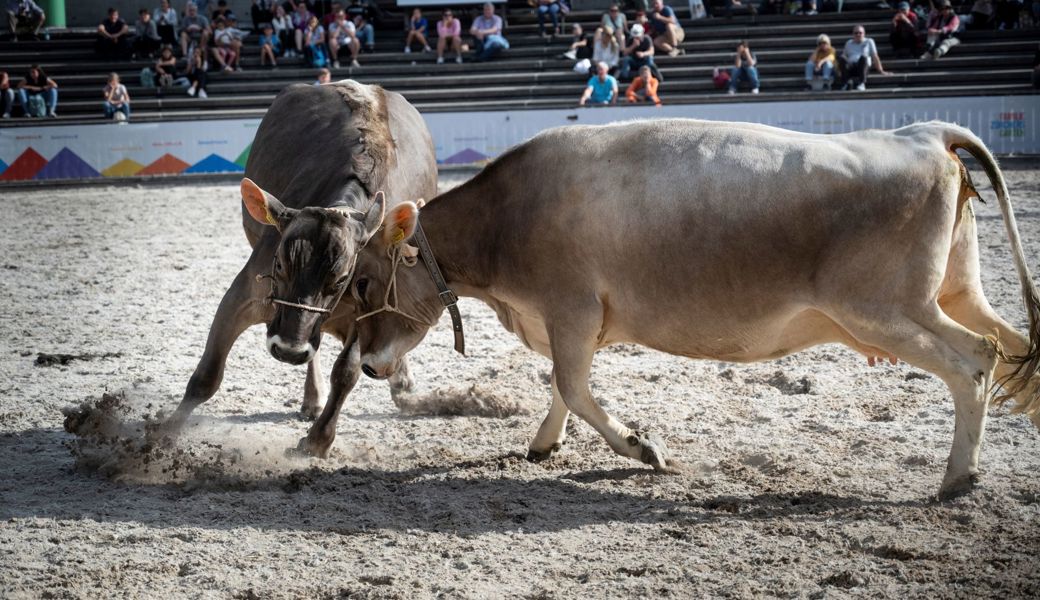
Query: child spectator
x=821, y=63
x=165, y=69
x=487, y=34
x=416, y=32
x=551, y=8
x=605, y=49
x=643, y=88
x=113, y=37
x=942, y=25
x=856, y=59
x=147, y=40
x=300, y=18
x=343, y=35
x=744, y=68
x=165, y=18
x=270, y=47
x=324, y=76
x=197, y=67
x=615, y=21
x=665, y=29
x=361, y=14
x=6, y=95
x=36, y=83
x=283, y=28
x=25, y=14
x=639, y=53
x=449, y=31
x=117, y=99
x=225, y=51
x=581, y=44
x=903, y=34
x=602, y=88
x=195, y=30
x=223, y=11
x=314, y=37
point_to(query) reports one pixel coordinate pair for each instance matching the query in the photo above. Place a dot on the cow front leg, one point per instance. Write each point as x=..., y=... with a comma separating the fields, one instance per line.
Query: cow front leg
x=553, y=430
x=345, y=374
x=313, y=389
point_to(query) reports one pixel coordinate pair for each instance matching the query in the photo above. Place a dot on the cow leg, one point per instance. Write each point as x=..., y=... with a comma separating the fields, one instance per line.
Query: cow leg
x=345, y=374
x=553, y=430
x=572, y=351
x=963, y=359
x=312, y=388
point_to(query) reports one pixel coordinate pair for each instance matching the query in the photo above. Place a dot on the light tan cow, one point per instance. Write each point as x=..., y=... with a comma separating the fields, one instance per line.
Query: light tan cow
x=725, y=241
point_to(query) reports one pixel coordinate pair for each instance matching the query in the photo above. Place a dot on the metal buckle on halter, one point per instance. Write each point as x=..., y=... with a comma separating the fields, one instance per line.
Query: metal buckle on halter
x=450, y=299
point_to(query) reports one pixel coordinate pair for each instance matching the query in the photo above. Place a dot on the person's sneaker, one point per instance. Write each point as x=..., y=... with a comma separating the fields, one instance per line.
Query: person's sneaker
x=52, y=114
x=7, y=115
x=440, y=60
x=427, y=49
x=754, y=90
x=861, y=87
x=731, y=91
x=335, y=64
x=191, y=91
x=407, y=49
x=203, y=94
x=924, y=56
x=673, y=52
x=355, y=64
x=458, y=59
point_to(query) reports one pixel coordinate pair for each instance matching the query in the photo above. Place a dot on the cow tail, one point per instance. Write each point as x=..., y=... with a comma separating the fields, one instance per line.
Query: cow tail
x=1027, y=366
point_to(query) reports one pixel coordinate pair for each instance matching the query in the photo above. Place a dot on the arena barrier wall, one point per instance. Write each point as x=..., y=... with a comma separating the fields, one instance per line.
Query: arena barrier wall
x=1008, y=125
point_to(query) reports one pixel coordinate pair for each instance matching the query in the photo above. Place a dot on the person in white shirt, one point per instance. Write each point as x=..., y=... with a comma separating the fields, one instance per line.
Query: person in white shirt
x=117, y=99
x=856, y=59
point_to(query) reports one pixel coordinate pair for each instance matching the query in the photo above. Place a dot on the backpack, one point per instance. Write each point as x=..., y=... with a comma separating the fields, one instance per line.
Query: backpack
x=318, y=56
x=36, y=107
x=147, y=78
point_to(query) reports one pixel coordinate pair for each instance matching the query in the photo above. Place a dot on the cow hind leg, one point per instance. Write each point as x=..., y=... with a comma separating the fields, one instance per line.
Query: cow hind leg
x=553, y=430
x=963, y=359
x=313, y=389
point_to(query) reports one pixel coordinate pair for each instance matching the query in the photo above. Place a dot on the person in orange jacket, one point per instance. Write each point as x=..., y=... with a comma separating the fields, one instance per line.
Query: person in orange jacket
x=643, y=88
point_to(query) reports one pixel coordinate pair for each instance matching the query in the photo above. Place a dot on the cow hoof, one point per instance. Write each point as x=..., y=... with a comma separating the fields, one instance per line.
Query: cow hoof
x=955, y=488
x=311, y=447
x=542, y=455
x=654, y=452
x=309, y=412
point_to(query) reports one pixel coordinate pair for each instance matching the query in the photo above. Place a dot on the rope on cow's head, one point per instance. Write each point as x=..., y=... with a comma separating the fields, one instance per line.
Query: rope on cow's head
x=396, y=254
x=306, y=307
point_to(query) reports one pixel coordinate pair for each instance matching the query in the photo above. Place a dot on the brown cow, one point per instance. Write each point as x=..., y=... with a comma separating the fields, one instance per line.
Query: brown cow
x=321, y=162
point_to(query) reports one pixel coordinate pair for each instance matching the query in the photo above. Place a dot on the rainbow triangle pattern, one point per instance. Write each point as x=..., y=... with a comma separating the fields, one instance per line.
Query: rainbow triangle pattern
x=66, y=164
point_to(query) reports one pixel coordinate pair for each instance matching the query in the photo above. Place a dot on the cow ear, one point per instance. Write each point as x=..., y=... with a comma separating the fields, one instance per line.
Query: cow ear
x=264, y=207
x=374, y=217
x=400, y=223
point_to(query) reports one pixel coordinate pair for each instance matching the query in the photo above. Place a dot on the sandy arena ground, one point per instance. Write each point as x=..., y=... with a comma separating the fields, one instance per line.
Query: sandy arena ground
x=810, y=476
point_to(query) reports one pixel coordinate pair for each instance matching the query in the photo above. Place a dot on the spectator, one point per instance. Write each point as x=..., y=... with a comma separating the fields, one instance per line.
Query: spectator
x=113, y=37
x=195, y=30
x=903, y=33
x=227, y=51
x=283, y=28
x=166, y=69
x=147, y=40
x=300, y=19
x=744, y=68
x=639, y=53
x=324, y=76
x=361, y=14
x=739, y=7
x=417, y=27
x=487, y=34
x=605, y=49
x=6, y=95
x=165, y=18
x=117, y=99
x=665, y=29
x=615, y=21
x=223, y=11
x=551, y=8
x=581, y=44
x=25, y=14
x=36, y=83
x=270, y=47
x=314, y=37
x=449, y=33
x=981, y=15
x=856, y=59
x=343, y=35
x=197, y=67
x=1007, y=12
x=330, y=15
x=821, y=63
x=262, y=12
x=602, y=88
x=643, y=88
x=940, y=32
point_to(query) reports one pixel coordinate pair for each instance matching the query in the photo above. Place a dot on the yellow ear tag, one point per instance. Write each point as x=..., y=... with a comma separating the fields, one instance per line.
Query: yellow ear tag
x=270, y=217
x=398, y=236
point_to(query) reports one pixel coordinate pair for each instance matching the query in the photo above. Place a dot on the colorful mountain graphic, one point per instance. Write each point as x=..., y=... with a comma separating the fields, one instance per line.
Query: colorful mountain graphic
x=242, y=158
x=26, y=166
x=123, y=168
x=67, y=165
x=3, y=166
x=467, y=156
x=214, y=164
x=167, y=164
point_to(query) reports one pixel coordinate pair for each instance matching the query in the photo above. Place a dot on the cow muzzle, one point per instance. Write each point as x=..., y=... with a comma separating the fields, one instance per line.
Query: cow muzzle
x=289, y=353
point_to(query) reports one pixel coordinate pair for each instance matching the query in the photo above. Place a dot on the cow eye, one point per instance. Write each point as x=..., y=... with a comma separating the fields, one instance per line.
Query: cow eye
x=278, y=266
x=361, y=286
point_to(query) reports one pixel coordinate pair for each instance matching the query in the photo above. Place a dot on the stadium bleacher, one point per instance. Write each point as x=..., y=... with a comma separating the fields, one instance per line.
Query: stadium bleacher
x=529, y=75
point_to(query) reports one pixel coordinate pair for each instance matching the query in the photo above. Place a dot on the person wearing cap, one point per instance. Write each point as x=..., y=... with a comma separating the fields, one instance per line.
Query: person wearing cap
x=942, y=24
x=903, y=35
x=821, y=63
x=859, y=54
x=639, y=53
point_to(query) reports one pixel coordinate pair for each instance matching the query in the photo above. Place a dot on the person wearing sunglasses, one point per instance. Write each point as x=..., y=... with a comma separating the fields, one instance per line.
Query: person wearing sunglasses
x=859, y=54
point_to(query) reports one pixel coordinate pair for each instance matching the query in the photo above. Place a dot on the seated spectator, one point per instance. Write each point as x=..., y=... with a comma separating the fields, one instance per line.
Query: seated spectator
x=361, y=14
x=147, y=40
x=821, y=63
x=551, y=8
x=330, y=15
x=856, y=59
x=223, y=11
x=605, y=49
x=25, y=15
x=324, y=76
x=117, y=99
x=165, y=18
x=314, y=38
x=449, y=34
x=639, y=53
x=1007, y=13
x=195, y=30
x=615, y=21
x=981, y=15
x=643, y=88
x=300, y=18
x=165, y=69
x=343, y=35
x=487, y=34
x=602, y=88
x=903, y=33
x=740, y=7
x=270, y=47
x=6, y=95
x=37, y=84
x=262, y=12
x=665, y=29
x=226, y=49
x=744, y=69
x=941, y=30
x=113, y=37
x=805, y=7
x=417, y=27
x=283, y=28
x=197, y=67
x=581, y=44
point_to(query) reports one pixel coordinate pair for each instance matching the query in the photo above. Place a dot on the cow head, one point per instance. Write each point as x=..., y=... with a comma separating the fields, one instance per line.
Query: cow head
x=397, y=300
x=312, y=266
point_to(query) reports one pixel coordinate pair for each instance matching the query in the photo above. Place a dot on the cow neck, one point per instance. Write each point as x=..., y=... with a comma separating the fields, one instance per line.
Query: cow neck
x=453, y=226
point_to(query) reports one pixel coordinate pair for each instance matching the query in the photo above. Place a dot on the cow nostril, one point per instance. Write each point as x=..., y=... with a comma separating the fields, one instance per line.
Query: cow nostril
x=369, y=371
